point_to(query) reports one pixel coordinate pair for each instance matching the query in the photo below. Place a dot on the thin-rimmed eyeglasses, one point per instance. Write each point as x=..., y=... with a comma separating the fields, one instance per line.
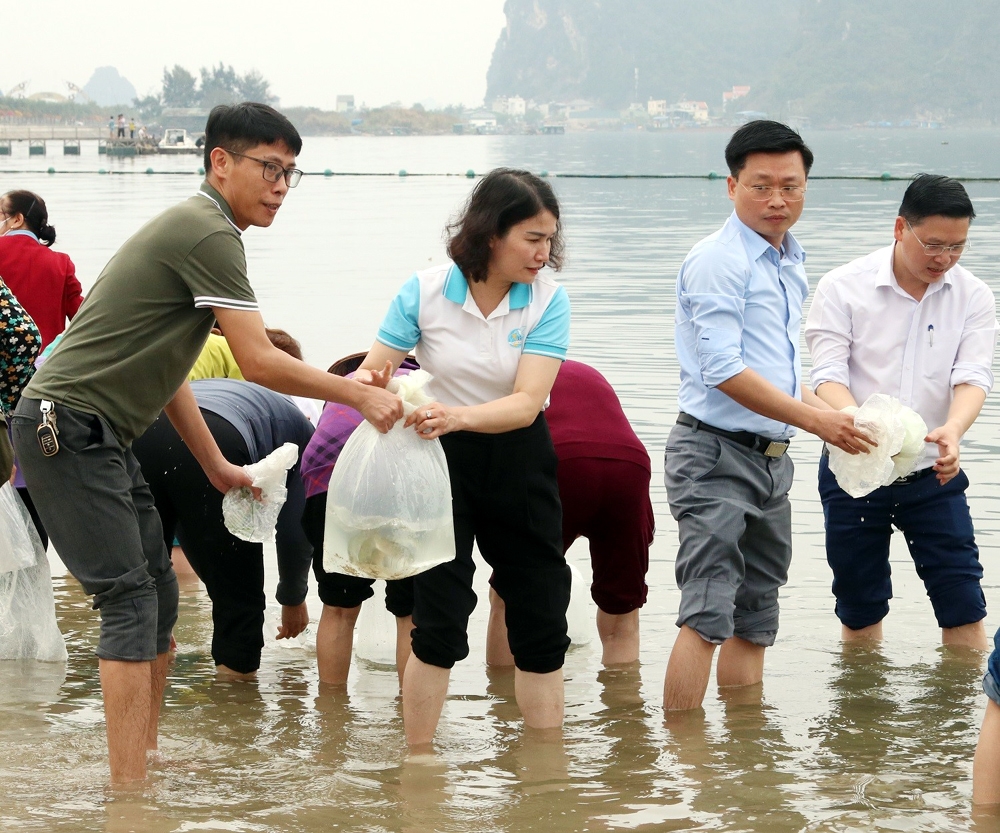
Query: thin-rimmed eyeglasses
x=935, y=249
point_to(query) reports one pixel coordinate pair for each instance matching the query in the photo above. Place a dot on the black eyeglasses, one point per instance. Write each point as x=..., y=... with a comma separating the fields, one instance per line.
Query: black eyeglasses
x=272, y=170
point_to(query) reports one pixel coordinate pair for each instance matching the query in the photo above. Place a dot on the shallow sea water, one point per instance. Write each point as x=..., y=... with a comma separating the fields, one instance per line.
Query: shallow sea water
x=838, y=740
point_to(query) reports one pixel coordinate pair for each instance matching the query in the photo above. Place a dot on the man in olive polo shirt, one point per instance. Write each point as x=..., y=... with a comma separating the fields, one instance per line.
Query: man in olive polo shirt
x=125, y=358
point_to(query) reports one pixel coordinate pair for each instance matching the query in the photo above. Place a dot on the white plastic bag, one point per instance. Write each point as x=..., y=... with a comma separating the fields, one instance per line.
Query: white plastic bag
x=254, y=520
x=28, y=628
x=388, y=509
x=894, y=427
x=912, y=451
x=17, y=550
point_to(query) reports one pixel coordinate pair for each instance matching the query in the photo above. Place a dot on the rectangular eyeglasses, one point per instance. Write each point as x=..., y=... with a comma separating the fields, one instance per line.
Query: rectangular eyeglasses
x=272, y=171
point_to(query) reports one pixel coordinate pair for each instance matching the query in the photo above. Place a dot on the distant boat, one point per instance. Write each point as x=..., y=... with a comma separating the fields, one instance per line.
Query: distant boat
x=177, y=140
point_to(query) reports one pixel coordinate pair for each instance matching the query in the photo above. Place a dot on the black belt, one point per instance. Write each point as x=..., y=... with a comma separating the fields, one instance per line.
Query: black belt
x=755, y=442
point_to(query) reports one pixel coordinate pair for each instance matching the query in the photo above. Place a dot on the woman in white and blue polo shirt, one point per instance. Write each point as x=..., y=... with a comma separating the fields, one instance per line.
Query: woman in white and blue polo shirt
x=492, y=332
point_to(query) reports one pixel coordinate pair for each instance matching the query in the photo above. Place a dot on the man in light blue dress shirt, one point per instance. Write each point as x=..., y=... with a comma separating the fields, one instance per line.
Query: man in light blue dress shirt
x=739, y=311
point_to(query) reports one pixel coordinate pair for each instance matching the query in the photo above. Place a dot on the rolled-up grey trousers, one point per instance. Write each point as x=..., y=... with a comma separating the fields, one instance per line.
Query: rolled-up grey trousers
x=100, y=517
x=734, y=522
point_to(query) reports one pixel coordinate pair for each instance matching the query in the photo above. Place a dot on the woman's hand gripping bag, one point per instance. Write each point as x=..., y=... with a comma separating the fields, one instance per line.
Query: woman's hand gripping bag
x=388, y=509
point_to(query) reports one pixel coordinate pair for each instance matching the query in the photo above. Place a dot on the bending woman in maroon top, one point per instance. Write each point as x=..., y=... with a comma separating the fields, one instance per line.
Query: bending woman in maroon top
x=604, y=473
x=43, y=281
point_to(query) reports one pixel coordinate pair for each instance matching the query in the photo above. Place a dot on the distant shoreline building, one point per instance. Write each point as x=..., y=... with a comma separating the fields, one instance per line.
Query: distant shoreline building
x=681, y=114
x=729, y=96
x=513, y=106
x=697, y=110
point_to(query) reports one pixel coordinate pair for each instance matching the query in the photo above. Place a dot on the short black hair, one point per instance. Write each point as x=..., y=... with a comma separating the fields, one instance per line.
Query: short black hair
x=930, y=195
x=764, y=136
x=502, y=199
x=239, y=127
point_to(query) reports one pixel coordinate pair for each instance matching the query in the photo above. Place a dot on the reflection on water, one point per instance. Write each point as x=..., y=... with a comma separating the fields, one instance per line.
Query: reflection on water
x=837, y=739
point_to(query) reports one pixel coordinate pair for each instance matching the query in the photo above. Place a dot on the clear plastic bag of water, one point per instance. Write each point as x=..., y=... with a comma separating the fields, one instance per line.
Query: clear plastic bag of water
x=899, y=432
x=254, y=520
x=28, y=628
x=17, y=549
x=388, y=512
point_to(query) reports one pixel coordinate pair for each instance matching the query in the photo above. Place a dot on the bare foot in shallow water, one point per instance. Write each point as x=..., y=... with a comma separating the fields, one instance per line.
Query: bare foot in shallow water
x=157, y=760
x=225, y=673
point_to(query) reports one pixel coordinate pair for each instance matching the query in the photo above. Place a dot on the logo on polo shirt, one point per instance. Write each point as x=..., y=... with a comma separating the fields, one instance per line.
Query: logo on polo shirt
x=515, y=338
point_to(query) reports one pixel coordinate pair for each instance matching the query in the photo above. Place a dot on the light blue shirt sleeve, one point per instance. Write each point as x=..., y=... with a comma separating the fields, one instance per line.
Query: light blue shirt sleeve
x=400, y=328
x=550, y=337
x=712, y=291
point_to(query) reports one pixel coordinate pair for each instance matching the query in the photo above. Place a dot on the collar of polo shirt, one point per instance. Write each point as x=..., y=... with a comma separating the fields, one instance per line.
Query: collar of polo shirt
x=456, y=290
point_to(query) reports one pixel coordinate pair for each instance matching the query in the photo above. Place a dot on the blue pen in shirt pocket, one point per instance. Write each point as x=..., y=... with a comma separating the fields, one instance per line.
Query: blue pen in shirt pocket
x=930, y=335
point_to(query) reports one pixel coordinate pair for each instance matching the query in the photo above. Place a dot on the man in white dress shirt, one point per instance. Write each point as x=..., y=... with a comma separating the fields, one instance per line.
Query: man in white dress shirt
x=909, y=322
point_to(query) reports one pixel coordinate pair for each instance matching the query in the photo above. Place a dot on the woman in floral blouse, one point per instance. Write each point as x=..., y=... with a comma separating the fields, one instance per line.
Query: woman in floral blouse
x=19, y=341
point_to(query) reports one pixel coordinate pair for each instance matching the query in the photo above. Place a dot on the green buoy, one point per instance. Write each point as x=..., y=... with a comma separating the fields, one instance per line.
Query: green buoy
x=52, y=170
x=543, y=174
x=150, y=171
x=402, y=171
x=470, y=173
x=327, y=172
x=885, y=176
x=713, y=175
x=201, y=171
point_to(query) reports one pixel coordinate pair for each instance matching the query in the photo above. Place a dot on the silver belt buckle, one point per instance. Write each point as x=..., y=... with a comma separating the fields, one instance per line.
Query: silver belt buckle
x=775, y=449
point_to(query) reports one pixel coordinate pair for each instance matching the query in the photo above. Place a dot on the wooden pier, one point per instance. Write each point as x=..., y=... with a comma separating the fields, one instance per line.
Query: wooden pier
x=39, y=146
x=25, y=132
x=40, y=137
x=127, y=147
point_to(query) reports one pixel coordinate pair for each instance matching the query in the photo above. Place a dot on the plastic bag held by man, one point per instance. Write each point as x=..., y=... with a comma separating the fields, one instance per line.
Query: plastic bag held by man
x=899, y=432
x=254, y=520
x=388, y=511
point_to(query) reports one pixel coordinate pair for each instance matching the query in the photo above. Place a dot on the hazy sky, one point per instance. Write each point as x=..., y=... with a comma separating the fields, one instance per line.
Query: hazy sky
x=311, y=51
